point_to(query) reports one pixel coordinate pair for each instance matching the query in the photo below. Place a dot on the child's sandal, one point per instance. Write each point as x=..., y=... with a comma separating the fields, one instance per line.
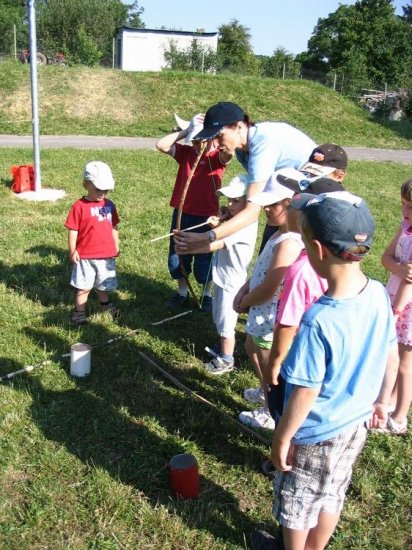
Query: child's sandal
x=78, y=318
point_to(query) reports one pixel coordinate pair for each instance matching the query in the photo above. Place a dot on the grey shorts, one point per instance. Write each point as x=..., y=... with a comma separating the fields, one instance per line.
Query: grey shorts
x=318, y=480
x=224, y=316
x=99, y=274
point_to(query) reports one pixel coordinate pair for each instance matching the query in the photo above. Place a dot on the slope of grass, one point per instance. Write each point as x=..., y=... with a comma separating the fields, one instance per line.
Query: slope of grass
x=80, y=100
x=83, y=461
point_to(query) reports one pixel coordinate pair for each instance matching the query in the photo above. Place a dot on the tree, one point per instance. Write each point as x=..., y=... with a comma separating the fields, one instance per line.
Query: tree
x=134, y=11
x=195, y=58
x=234, y=50
x=279, y=64
x=365, y=41
x=82, y=29
x=12, y=12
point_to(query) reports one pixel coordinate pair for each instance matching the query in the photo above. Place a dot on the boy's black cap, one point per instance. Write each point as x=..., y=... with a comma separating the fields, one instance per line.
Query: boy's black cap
x=326, y=158
x=318, y=186
x=219, y=115
x=338, y=220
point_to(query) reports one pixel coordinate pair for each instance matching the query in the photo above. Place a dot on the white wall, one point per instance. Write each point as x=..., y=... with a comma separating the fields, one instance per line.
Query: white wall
x=144, y=50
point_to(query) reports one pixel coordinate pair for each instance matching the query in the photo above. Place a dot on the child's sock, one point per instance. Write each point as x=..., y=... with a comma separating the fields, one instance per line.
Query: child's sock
x=208, y=289
x=182, y=290
x=226, y=357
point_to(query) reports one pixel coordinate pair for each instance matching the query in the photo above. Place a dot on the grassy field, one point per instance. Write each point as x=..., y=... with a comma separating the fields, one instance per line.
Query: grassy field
x=83, y=461
x=80, y=100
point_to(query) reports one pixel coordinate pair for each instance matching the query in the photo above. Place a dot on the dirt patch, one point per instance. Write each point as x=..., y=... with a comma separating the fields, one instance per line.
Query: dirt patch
x=77, y=95
x=97, y=95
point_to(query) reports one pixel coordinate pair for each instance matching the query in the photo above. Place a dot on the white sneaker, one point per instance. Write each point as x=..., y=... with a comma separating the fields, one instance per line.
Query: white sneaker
x=259, y=418
x=254, y=395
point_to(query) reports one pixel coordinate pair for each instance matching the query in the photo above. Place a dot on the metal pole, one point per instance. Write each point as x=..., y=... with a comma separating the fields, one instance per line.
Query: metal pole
x=334, y=81
x=34, y=93
x=15, y=42
x=113, y=52
x=283, y=71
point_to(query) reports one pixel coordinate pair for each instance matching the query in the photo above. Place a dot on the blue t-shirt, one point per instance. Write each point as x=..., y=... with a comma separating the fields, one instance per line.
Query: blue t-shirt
x=272, y=146
x=341, y=348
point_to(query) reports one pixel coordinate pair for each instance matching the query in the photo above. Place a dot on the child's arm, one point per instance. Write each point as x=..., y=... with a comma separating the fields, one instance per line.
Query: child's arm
x=239, y=297
x=404, y=271
x=165, y=144
x=403, y=296
x=297, y=409
x=73, y=254
x=283, y=336
x=116, y=238
x=380, y=413
x=285, y=253
x=209, y=247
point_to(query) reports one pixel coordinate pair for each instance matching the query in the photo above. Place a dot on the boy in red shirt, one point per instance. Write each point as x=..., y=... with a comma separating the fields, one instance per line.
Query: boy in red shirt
x=201, y=202
x=93, y=241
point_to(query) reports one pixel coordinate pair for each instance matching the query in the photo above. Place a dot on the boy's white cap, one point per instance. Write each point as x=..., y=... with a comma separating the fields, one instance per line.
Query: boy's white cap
x=99, y=174
x=237, y=187
x=272, y=193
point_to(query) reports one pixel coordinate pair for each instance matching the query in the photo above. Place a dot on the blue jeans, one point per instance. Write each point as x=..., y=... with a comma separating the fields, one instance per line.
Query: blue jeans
x=201, y=262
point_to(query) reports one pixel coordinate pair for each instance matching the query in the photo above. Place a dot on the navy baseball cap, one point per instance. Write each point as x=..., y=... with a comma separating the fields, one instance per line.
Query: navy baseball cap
x=316, y=186
x=218, y=116
x=338, y=220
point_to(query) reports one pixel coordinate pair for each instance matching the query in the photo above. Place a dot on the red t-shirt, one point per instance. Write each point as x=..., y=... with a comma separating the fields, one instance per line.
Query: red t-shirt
x=201, y=199
x=94, y=222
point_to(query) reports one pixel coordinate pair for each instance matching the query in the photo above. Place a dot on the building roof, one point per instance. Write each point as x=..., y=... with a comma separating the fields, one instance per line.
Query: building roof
x=161, y=31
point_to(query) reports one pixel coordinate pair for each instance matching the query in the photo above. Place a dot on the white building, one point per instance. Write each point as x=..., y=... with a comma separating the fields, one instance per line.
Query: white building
x=143, y=49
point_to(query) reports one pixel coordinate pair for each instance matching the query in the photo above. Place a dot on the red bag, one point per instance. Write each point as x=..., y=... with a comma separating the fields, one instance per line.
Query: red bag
x=23, y=178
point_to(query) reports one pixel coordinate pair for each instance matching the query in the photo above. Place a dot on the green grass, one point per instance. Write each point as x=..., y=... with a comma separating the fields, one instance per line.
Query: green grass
x=83, y=462
x=80, y=100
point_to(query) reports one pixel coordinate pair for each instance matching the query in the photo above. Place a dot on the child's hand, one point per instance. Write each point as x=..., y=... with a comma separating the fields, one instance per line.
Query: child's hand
x=379, y=416
x=213, y=221
x=238, y=300
x=74, y=257
x=224, y=213
x=281, y=454
x=271, y=374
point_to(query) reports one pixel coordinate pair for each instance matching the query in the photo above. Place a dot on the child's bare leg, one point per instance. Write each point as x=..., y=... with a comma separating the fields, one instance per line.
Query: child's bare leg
x=103, y=296
x=404, y=384
x=252, y=354
x=227, y=345
x=293, y=539
x=263, y=356
x=319, y=536
x=80, y=300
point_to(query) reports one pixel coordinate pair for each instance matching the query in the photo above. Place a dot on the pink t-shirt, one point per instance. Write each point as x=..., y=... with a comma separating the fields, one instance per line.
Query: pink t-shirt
x=301, y=287
x=403, y=255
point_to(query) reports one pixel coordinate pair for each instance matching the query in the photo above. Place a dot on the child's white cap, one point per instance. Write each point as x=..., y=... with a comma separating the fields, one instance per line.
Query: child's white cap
x=99, y=174
x=237, y=187
x=272, y=193
x=195, y=126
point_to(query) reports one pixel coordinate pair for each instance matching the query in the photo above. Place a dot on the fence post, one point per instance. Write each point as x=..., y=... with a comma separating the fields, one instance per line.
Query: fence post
x=334, y=81
x=341, y=86
x=15, y=42
x=283, y=71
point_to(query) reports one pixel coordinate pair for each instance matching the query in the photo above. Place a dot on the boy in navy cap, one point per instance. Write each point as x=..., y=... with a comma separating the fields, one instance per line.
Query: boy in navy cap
x=333, y=373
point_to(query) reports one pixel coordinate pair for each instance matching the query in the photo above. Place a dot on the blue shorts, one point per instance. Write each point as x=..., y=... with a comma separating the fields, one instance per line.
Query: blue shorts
x=202, y=268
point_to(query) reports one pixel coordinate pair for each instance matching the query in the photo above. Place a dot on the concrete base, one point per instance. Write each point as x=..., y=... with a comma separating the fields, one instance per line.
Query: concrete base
x=41, y=195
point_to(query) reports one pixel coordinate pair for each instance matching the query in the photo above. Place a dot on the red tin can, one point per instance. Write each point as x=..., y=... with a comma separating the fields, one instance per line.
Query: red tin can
x=184, y=476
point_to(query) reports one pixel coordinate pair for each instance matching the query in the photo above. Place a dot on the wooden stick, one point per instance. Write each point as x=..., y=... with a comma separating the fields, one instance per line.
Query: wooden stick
x=187, y=229
x=201, y=399
x=171, y=318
